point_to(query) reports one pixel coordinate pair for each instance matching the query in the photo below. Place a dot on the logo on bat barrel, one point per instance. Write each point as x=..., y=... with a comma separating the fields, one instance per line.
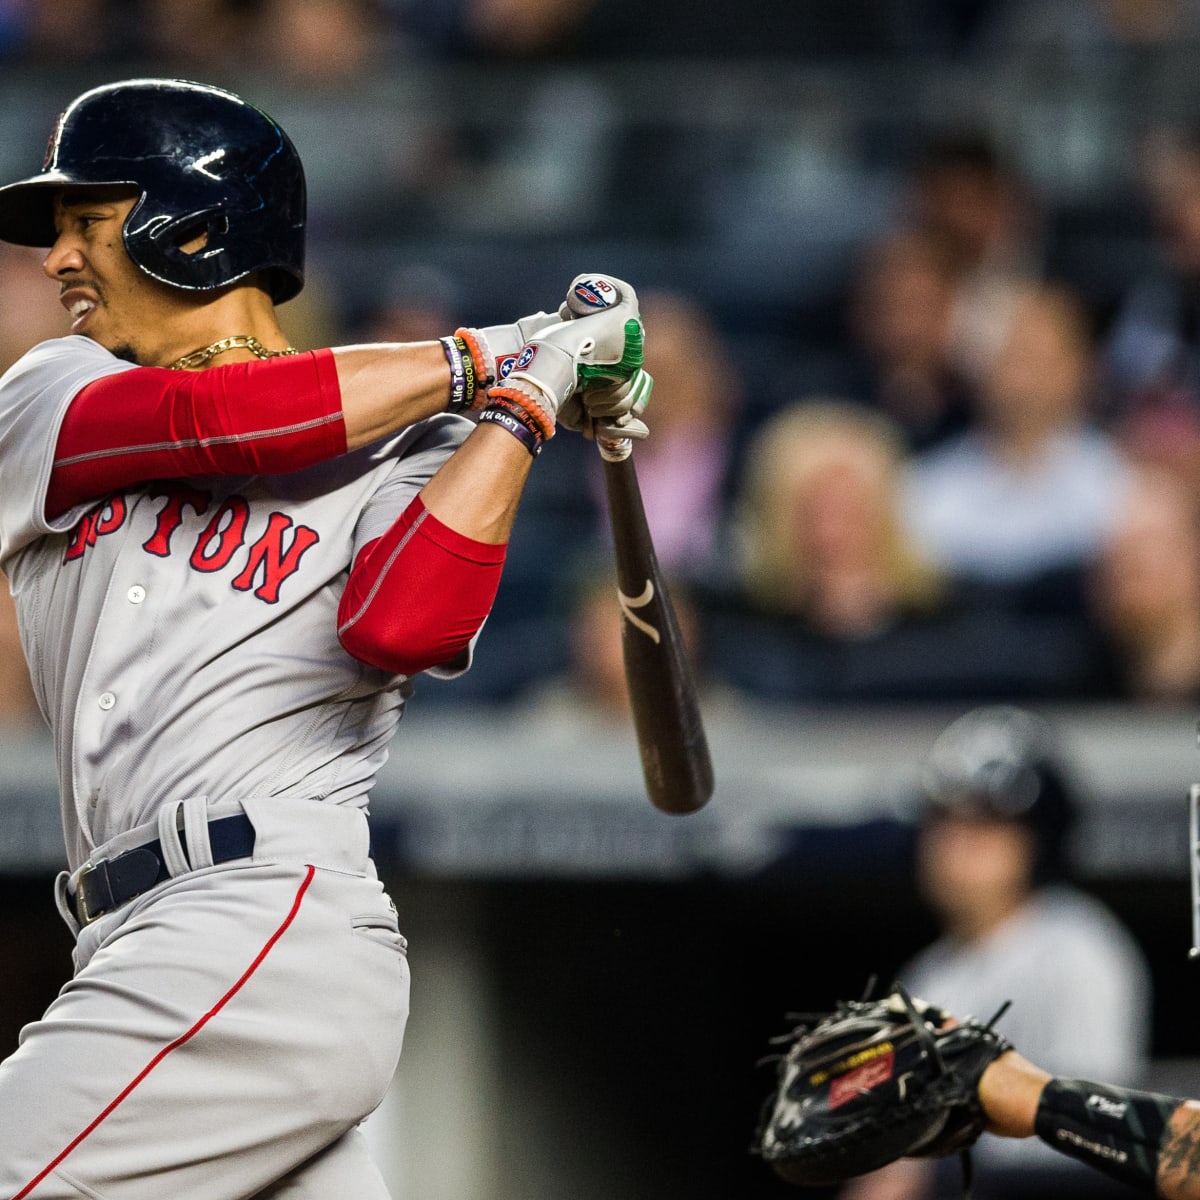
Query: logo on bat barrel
x=629, y=603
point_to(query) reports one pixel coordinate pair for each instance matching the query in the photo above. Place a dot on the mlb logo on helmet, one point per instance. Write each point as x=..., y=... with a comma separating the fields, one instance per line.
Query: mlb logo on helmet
x=596, y=293
x=524, y=358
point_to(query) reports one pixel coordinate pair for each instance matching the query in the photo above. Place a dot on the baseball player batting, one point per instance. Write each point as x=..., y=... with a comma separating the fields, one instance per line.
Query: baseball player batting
x=229, y=559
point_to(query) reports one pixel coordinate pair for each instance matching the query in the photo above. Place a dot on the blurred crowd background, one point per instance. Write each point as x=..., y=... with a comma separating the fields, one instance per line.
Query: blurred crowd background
x=921, y=281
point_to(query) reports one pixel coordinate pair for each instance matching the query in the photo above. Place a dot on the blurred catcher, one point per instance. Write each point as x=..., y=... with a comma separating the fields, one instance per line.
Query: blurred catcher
x=997, y=808
x=873, y=1082
x=1146, y=1140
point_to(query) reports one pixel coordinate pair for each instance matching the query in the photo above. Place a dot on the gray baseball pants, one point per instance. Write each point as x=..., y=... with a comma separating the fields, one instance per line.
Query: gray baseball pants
x=223, y=1034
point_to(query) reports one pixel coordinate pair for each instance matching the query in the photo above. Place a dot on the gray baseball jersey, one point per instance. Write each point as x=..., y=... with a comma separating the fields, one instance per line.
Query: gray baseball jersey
x=181, y=637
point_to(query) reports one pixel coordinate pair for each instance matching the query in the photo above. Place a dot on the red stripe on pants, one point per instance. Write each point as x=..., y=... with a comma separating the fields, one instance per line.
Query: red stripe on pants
x=179, y=1041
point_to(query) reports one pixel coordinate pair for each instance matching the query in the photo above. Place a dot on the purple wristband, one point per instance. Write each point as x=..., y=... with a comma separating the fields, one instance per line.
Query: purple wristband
x=526, y=436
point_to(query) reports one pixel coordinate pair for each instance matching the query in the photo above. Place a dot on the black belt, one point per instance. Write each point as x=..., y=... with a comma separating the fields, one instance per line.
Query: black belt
x=111, y=882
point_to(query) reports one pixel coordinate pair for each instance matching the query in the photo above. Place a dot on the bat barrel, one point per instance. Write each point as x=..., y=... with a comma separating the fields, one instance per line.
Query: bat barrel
x=671, y=740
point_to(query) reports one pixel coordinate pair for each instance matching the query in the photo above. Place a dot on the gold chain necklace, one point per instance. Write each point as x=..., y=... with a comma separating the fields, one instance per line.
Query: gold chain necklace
x=200, y=358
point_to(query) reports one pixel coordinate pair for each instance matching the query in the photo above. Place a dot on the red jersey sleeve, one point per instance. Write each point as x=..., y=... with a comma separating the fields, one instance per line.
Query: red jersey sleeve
x=266, y=417
x=417, y=595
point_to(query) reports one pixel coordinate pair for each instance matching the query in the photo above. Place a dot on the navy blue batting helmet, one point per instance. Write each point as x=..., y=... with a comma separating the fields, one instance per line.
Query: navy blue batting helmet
x=206, y=163
x=1003, y=763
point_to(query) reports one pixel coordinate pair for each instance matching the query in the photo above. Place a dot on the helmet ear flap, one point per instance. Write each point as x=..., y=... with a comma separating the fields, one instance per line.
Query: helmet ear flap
x=205, y=225
x=174, y=249
x=203, y=238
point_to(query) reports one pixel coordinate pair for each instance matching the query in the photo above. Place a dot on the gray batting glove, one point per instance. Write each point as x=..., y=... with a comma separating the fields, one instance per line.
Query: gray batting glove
x=593, y=292
x=606, y=396
x=496, y=347
x=602, y=348
x=610, y=412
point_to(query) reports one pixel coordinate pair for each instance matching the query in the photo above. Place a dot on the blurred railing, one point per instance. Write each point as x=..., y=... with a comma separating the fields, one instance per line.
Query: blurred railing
x=484, y=792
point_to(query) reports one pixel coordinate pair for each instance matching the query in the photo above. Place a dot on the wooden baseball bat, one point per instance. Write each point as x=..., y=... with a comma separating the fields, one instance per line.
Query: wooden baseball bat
x=662, y=690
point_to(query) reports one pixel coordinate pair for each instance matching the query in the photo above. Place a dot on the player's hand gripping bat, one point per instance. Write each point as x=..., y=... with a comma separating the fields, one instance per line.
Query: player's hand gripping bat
x=662, y=691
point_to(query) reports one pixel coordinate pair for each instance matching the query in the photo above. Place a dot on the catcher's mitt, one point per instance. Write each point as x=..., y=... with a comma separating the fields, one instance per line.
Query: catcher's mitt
x=872, y=1082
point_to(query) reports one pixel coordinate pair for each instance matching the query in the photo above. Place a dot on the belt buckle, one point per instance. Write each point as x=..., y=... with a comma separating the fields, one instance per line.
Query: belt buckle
x=86, y=916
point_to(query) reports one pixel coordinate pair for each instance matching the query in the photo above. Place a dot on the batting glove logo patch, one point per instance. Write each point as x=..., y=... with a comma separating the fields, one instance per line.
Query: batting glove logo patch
x=504, y=365
x=596, y=293
x=524, y=358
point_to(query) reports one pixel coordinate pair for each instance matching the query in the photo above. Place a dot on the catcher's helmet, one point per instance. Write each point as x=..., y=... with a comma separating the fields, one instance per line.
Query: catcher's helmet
x=1002, y=763
x=205, y=161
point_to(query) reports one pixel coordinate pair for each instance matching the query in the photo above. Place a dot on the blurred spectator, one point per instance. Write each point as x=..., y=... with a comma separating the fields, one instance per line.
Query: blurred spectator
x=900, y=332
x=966, y=194
x=319, y=43
x=1145, y=592
x=418, y=304
x=1035, y=487
x=590, y=29
x=18, y=708
x=522, y=27
x=834, y=604
x=993, y=864
x=201, y=37
x=34, y=313
x=65, y=32
x=685, y=468
x=591, y=690
x=312, y=43
x=595, y=679
x=818, y=518
x=984, y=214
x=1152, y=354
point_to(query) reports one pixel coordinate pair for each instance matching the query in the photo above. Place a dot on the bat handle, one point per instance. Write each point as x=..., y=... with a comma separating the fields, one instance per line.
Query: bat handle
x=614, y=449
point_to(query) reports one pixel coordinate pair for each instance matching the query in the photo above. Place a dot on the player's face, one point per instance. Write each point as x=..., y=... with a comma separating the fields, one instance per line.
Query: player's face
x=975, y=871
x=106, y=296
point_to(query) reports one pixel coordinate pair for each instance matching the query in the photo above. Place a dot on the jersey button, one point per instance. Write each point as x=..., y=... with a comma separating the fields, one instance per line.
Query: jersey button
x=106, y=701
x=136, y=594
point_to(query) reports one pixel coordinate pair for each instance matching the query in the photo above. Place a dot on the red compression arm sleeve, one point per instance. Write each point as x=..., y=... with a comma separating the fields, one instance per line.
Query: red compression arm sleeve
x=418, y=594
x=256, y=418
